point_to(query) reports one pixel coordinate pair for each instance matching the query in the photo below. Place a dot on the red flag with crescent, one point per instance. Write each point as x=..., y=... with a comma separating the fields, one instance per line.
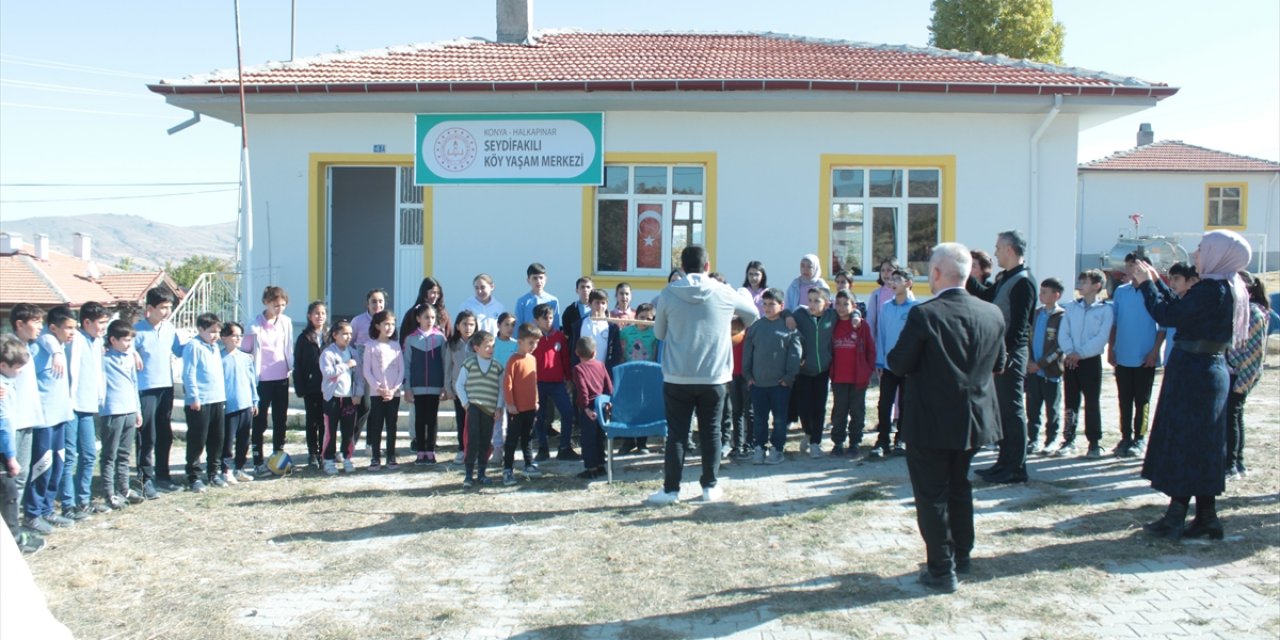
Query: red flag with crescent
x=649, y=249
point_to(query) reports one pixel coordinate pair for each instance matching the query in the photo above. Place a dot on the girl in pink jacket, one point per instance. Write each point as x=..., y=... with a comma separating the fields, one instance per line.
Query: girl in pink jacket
x=383, y=374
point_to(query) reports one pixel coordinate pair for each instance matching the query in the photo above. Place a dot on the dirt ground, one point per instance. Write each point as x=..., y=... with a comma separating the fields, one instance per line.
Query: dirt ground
x=810, y=548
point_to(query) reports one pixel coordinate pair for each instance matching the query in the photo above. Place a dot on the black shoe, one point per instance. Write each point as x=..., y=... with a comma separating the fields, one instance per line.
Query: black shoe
x=567, y=455
x=542, y=456
x=1171, y=525
x=589, y=474
x=1008, y=476
x=963, y=566
x=990, y=471
x=76, y=513
x=941, y=584
x=1211, y=529
x=28, y=542
x=167, y=485
x=149, y=490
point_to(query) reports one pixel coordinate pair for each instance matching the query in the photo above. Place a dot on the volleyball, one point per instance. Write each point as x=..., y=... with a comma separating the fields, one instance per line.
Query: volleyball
x=280, y=464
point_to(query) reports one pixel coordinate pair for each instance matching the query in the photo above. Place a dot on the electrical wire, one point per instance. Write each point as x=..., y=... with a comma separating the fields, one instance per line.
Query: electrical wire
x=116, y=184
x=68, y=66
x=42, y=107
x=143, y=197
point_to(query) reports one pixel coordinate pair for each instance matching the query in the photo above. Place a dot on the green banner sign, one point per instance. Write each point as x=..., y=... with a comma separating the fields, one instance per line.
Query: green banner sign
x=509, y=148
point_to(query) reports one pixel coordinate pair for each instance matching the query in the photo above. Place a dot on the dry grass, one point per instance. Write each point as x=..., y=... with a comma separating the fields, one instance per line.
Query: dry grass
x=825, y=545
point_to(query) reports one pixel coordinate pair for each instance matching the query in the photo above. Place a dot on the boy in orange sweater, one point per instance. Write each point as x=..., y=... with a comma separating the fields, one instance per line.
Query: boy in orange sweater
x=520, y=388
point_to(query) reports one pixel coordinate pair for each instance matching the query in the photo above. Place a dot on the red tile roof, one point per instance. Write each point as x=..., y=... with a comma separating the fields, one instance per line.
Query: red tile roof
x=587, y=61
x=64, y=279
x=1175, y=155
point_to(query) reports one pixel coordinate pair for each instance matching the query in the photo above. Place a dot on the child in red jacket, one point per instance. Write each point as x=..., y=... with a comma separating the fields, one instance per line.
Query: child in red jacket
x=853, y=360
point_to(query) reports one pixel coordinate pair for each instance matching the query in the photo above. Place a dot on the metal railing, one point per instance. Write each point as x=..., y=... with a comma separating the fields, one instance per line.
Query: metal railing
x=217, y=293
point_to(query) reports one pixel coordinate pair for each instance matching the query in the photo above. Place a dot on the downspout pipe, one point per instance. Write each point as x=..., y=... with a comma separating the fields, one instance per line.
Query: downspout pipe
x=1033, y=206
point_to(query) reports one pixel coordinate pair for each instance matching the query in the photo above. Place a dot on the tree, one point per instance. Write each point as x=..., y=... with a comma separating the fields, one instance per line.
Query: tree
x=1015, y=28
x=188, y=271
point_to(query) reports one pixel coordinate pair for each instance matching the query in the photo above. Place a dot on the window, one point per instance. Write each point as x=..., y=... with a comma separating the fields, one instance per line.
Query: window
x=905, y=222
x=1225, y=205
x=645, y=215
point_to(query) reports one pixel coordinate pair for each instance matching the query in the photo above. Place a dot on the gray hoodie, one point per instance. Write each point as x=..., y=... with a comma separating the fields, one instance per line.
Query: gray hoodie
x=771, y=353
x=692, y=320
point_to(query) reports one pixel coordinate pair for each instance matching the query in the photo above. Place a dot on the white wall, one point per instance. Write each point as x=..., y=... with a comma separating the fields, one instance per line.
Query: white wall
x=1170, y=203
x=768, y=170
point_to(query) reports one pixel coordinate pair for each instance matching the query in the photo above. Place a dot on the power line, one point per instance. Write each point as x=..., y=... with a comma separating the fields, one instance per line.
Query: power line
x=68, y=66
x=156, y=195
x=63, y=88
x=116, y=184
x=42, y=107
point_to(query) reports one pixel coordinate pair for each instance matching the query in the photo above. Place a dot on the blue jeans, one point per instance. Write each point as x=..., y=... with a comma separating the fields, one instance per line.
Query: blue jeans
x=77, y=474
x=557, y=393
x=763, y=401
x=47, y=451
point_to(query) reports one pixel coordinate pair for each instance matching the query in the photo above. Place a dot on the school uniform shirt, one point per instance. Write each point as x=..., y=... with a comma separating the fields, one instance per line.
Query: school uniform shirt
x=526, y=303
x=6, y=428
x=424, y=361
x=738, y=340
x=84, y=365
x=271, y=344
x=590, y=380
x=1046, y=352
x=486, y=313
x=157, y=346
x=892, y=318
x=360, y=337
x=339, y=379
x=202, y=378
x=504, y=349
x=608, y=341
x=520, y=383
x=55, y=391
x=853, y=353
x=1135, y=328
x=1085, y=328
x=28, y=412
x=552, y=357
x=120, y=374
x=240, y=380
x=383, y=367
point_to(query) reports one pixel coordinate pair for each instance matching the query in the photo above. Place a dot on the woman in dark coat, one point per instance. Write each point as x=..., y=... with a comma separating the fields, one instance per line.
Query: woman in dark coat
x=1186, y=452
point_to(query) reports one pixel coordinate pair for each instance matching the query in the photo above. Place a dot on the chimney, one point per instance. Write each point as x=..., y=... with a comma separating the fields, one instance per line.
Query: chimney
x=82, y=245
x=10, y=243
x=1145, y=135
x=42, y=246
x=515, y=20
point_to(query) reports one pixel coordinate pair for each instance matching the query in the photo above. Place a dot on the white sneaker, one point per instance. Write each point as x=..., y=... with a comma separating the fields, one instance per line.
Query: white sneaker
x=712, y=494
x=815, y=450
x=347, y=467
x=241, y=476
x=330, y=467
x=774, y=457
x=229, y=477
x=460, y=458
x=757, y=456
x=662, y=497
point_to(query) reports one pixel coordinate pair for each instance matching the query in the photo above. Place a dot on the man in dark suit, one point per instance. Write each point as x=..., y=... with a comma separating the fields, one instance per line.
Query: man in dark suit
x=948, y=351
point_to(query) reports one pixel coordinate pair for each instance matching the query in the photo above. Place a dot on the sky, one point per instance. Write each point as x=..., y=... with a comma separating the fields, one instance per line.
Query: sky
x=81, y=134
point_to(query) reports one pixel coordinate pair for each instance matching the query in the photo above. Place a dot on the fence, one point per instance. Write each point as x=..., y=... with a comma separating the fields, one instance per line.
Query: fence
x=217, y=293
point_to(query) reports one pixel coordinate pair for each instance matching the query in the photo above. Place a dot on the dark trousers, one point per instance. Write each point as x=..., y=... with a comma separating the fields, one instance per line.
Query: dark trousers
x=273, y=402
x=811, y=404
x=9, y=500
x=592, y=440
x=519, y=430
x=1235, y=429
x=890, y=384
x=313, y=402
x=204, y=434
x=1011, y=395
x=1042, y=393
x=1083, y=382
x=235, y=438
x=726, y=416
x=155, y=436
x=848, y=413
x=339, y=418
x=944, y=504
x=426, y=420
x=1133, y=388
x=479, y=438
x=82, y=451
x=765, y=401
x=743, y=425
x=47, y=445
x=382, y=414
x=554, y=394
x=116, y=433
x=683, y=401
x=459, y=423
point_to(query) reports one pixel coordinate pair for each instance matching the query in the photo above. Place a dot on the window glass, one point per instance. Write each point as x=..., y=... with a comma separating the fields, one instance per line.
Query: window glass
x=922, y=183
x=640, y=227
x=1230, y=212
x=651, y=179
x=847, y=222
x=688, y=180
x=886, y=183
x=611, y=236
x=922, y=235
x=884, y=233
x=847, y=183
x=616, y=179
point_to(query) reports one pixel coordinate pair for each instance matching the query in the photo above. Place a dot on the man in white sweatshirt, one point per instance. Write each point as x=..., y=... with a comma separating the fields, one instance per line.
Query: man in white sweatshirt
x=692, y=320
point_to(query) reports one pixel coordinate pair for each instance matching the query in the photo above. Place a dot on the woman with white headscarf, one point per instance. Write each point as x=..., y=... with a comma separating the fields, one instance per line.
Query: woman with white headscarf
x=1186, y=454
x=810, y=278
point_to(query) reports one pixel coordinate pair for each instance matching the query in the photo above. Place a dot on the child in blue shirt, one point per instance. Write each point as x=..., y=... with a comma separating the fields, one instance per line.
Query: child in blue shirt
x=121, y=415
x=84, y=358
x=27, y=413
x=48, y=440
x=156, y=343
x=1134, y=351
x=890, y=320
x=205, y=401
x=13, y=358
x=240, y=380
x=536, y=275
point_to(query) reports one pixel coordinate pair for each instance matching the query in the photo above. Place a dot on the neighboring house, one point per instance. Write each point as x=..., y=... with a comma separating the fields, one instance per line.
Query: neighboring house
x=759, y=146
x=1181, y=190
x=35, y=274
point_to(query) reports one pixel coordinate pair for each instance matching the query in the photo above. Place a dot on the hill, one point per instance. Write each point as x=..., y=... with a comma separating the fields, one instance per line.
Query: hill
x=116, y=236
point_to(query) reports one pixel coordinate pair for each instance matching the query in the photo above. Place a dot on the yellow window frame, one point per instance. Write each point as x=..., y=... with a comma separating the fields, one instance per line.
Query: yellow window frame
x=610, y=281
x=830, y=161
x=1244, y=205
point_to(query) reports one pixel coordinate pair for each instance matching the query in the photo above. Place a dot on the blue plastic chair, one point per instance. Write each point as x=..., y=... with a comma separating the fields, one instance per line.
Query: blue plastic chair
x=638, y=409
x=1274, y=325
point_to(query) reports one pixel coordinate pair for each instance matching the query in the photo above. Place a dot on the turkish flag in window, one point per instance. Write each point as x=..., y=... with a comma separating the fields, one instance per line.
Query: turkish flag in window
x=649, y=236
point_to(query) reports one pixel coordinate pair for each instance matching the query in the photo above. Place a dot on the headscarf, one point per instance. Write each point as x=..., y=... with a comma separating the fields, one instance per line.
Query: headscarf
x=1223, y=253
x=817, y=266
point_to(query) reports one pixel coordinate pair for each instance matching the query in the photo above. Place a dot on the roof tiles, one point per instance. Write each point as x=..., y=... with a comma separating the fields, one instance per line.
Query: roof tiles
x=1175, y=155
x=63, y=279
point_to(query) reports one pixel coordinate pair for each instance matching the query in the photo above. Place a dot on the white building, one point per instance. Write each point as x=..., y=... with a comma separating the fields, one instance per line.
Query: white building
x=760, y=146
x=1181, y=191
